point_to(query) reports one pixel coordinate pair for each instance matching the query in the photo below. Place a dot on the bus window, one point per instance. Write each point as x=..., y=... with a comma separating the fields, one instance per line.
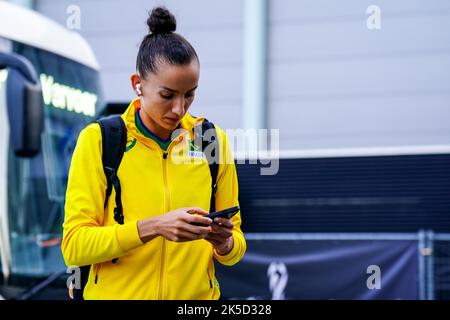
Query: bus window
x=36, y=186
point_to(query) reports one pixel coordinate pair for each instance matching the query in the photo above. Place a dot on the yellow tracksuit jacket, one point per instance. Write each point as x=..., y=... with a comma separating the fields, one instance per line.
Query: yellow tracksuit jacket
x=151, y=186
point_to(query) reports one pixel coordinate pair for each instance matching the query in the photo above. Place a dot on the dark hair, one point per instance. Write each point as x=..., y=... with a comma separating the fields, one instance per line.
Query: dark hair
x=162, y=44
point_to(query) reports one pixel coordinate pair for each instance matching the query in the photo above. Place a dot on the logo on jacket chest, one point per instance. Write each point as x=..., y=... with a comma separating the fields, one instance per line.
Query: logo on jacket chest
x=130, y=144
x=194, y=151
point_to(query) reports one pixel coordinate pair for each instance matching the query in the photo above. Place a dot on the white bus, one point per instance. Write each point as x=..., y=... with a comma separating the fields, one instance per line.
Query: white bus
x=37, y=135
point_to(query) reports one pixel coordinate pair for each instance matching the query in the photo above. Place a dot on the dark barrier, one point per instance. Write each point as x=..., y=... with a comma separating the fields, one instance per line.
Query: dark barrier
x=353, y=266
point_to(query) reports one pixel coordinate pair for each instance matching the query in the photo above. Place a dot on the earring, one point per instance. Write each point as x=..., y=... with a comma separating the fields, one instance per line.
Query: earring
x=138, y=89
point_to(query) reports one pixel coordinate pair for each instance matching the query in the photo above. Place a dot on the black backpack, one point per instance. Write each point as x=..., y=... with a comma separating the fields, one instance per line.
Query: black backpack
x=114, y=139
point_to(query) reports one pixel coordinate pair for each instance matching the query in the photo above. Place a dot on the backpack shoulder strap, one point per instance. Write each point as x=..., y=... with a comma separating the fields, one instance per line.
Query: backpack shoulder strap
x=209, y=138
x=114, y=139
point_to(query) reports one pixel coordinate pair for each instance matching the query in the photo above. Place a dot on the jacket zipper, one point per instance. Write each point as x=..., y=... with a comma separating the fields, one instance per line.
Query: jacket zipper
x=167, y=205
x=165, y=155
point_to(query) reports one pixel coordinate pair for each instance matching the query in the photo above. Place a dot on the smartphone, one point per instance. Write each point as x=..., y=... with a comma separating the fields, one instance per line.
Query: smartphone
x=226, y=213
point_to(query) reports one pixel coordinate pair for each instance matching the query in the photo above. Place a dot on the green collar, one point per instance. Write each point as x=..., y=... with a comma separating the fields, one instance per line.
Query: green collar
x=164, y=144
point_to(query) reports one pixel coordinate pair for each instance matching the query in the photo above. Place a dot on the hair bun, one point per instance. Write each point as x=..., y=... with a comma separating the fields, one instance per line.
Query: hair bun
x=161, y=21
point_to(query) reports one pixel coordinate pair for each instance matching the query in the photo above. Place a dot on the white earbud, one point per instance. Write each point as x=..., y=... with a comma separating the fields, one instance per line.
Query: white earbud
x=138, y=89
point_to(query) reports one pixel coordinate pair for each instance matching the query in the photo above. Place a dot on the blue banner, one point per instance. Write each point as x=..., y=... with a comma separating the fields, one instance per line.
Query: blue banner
x=324, y=269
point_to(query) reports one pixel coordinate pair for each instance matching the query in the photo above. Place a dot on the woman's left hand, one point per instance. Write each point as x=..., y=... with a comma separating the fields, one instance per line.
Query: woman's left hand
x=221, y=236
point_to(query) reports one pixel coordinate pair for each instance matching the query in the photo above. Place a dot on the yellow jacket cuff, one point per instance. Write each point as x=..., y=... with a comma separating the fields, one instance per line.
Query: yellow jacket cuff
x=128, y=236
x=231, y=257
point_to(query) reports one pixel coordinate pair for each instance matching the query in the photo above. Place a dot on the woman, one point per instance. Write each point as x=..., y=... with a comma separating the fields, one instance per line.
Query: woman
x=165, y=247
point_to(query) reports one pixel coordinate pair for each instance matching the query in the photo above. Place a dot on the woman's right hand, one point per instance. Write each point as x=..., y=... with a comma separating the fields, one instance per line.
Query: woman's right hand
x=176, y=225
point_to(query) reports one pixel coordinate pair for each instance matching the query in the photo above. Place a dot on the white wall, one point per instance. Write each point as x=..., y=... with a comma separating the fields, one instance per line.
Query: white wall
x=335, y=83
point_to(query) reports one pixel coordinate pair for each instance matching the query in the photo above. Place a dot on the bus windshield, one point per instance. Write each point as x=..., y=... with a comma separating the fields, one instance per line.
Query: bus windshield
x=36, y=186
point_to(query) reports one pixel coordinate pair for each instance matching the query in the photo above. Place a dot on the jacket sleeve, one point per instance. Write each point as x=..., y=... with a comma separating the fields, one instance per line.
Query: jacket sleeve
x=227, y=196
x=85, y=240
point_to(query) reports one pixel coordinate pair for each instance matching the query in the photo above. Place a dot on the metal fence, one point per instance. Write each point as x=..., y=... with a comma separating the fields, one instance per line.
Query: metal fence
x=440, y=273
